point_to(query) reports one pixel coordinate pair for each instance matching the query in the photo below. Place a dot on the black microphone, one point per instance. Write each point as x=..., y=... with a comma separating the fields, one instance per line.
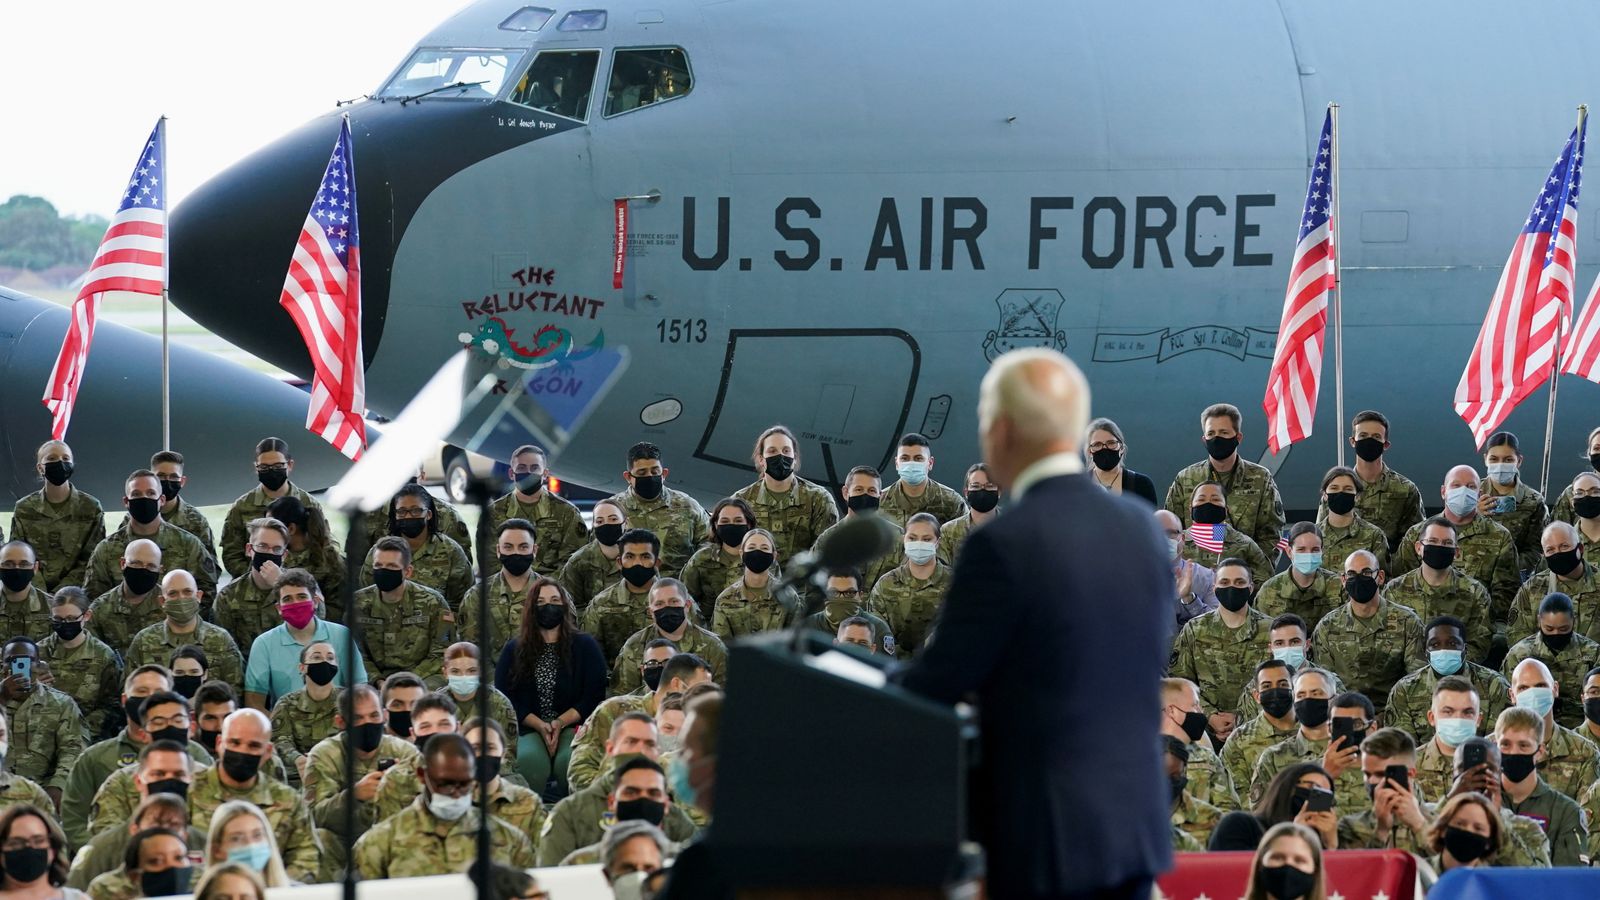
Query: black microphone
x=850, y=545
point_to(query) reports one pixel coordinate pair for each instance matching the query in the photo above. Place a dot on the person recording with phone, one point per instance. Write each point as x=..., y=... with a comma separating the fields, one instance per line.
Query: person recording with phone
x=1395, y=819
x=1330, y=734
x=1301, y=793
x=47, y=729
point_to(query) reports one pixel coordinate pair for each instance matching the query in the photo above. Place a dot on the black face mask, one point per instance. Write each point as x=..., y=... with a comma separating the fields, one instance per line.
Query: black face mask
x=140, y=581
x=131, y=708
x=170, y=489
x=669, y=618
x=1106, y=460
x=1586, y=507
x=1277, y=701
x=780, y=467
x=530, y=483
x=1516, y=766
x=165, y=883
x=1341, y=504
x=983, y=501
x=400, y=722
x=369, y=735
x=641, y=809
x=1220, y=448
x=1436, y=557
x=1361, y=588
x=1564, y=562
x=516, y=564
x=144, y=510
x=1233, y=599
x=67, y=631
x=1594, y=463
x=549, y=615
x=1556, y=642
x=273, y=479
x=1464, y=845
x=187, y=685
x=16, y=580
x=1591, y=709
x=410, y=527
x=757, y=561
x=648, y=487
x=1369, y=449
x=257, y=559
x=1209, y=513
x=488, y=766
x=1312, y=712
x=388, y=579
x=27, y=864
x=652, y=676
x=57, y=472
x=208, y=740
x=321, y=674
x=175, y=733
x=1176, y=785
x=1194, y=725
x=638, y=576
x=732, y=534
x=240, y=766
x=1285, y=882
x=862, y=503
x=608, y=535
x=168, y=786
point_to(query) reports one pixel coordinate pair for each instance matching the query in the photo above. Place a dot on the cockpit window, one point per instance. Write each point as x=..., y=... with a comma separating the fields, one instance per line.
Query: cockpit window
x=642, y=77
x=472, y=74
x=528, y=18
x=559, y=81
x=583, y=20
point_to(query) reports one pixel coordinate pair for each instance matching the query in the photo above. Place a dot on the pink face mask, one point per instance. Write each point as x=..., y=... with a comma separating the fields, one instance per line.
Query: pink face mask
x=298, y=615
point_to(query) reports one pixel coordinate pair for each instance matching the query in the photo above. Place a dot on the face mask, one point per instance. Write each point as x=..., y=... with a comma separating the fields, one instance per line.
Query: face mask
x=732, y=534
x=1591, y=709
x=1556, y=642
x=16, y=580
x=1174, y=548
x=1277, y=702
x=912, y=473
x=1438, y=558
x=1445, y=662
x=257, y=560
x=1285, y=882
x=647, y=487
x=1461, y=501
x=57, y=472
x=67, y=631
x=489, y=767
x=256, y=856
x=400, y=722
x=682, y=787
x=1209, y=513
x=175, y=733
x=1454, y=731
x=516, y=564
x=462, y=685
x=921, y=552
x=779, y=467
x=668, y=743
x=641, y=809
x=1194, y=725
x=170, y=489
x=1586, y=507
x=1361, y=588
x=273, y=478
x=182, y=610
x=1306, y=563
x=1233, y=599
x=187, y=685
x=388, y=579
x=27, y=864
x=1564, y=562
x=1464, y=845
x=449, y=808
x=609, y=534
x=1538, y=700
x=321, y=674
x=132, y=707
x=669, y=618
x=652, y=676
x=1369, y=449
x=144, y=510
x=1220, y=448
x=140, y=581
x=549, y=615
x=299, y=615
x=1516, y=766
x=1594, y=463
x=167, y=786
x=208, y=740
x=986, y=501
x=240, y=766
x=1293, y=657
x=165, y=883
x=1503, y=473
x=369, y=736
x=410, y=528
x=861, y=503
x=757, y=561
x=1107, y=459
x=530, y=483
x=1341, y=504
x=1312, y=712
x=638, y=576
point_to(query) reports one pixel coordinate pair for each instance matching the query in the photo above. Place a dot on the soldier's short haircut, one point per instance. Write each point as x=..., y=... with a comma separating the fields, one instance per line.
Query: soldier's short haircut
x=431, y=702
x=139, y=473
x=274, y=445
x=72, y=594
x=165, y=746
x=267, y=523
x=856, y=622
x=1371, y=415
x=783, y=430
x=1436, y=522
x=1175, y=748
x=164, y=802
x=1446, y=621
x=868, y=471
x=1389, y=743
x=700, y=690
x=1221, y=409
x=190, y=651
x=634, y=716
x=447, y=745
x=23, y=544
x=684, y=665
x=1324, y=674
x=361, y=690
x=214, y=692
x=163, y=671
x=1591, y=673
x=529, y=448
x=516, y=525
x=1236, y=561
x=1300, y=528
x=400, y=680
x=618, y=836
x=1273, y=664
x=914, y=439
x=160, y=698
x=672, y=701
x=1454, y=683
x=166, y=456
x=306, y=650
x=641, y=536
x=654, y=643
x=1342, y=472
x=1557, y=603
x=926, y=517
x=23, y=639
x=1520, y=719
x=302, y=578
x=1172, y=688
x=476, y=722
x=666, y=583
x=392, y=544
x=640, y=762
x=642, y=450
x=706, y=707
x=853, y=574
x=1355, y=700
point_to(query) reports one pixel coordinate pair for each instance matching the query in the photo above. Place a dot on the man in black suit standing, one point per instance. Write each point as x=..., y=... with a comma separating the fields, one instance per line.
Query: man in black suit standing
x=1058, y=619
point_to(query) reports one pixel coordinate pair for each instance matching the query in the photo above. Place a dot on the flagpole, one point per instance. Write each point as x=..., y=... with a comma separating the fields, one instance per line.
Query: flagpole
x=166, y=359
x=1555, y=360
x=1338, y=304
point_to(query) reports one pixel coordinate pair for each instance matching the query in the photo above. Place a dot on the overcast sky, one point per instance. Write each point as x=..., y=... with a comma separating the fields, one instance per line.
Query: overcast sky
x=87, y=79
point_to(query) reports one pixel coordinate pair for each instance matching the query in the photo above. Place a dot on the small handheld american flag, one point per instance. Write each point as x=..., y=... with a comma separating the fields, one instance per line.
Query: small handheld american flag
x=1208, y=537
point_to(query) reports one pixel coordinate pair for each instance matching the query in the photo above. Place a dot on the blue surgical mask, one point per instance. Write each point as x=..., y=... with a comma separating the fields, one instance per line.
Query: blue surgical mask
x=1461, y=501
x=682, y=789
x=921, y=551
x=1538, y=700
x=1294, y=657
x=1445, y=662
x=1453, y=732
x=1174, y=547
x=256, y=856
x=463, y=685
x=1503, y=472
x=1306, y=563
x=912, y=472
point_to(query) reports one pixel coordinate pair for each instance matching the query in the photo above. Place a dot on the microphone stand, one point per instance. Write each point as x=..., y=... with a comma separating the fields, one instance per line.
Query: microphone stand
x=355, y=556
x=480, y=491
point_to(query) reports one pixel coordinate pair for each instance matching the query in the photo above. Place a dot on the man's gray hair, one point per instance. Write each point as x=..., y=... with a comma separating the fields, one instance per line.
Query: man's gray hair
x=621, y=833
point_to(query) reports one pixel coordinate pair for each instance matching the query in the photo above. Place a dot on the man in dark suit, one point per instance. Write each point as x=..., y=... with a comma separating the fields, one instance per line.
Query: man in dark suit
x=1058, y=619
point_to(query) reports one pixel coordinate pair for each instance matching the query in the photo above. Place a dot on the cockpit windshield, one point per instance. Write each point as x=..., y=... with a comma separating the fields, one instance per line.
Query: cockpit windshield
x=471, y=74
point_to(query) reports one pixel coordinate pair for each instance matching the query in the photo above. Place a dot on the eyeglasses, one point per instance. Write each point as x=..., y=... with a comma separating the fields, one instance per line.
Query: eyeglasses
x=265, y=549
x=416, y=513
x=845, y=594
x=1105, y=445
x=16, y=565
x=37, y=842
x=1586, y=492
x=279, y=467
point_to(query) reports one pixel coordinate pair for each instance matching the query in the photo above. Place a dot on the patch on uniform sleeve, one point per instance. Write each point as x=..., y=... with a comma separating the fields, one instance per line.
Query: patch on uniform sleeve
x=888, y=643
x=448, y=616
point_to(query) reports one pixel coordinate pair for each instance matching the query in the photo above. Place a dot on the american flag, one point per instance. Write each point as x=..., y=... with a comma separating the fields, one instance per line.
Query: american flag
x=1582, y=354
x=322, y=293
x=1208, y=537
x=1291, y=401
x=1529, y=314
x=132, y=257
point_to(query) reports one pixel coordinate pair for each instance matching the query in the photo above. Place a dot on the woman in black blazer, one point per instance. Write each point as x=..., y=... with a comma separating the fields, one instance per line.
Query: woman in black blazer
x=1105, y=450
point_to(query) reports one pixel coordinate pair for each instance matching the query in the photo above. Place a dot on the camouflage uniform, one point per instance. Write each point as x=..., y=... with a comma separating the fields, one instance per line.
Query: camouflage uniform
x=1570, y=762
x=155, y=644
x=879, y=567
x=505, y=614
x=952, y=535
x=179, y=550
x=1523, y=618
x=246, y=611
x=1220, y=659
x=1235, y=543
x=1561, y=819
x=324, y=783
x=707, y=574
x=581, y=819
x=675, y=517
x=1392, y=503
x=1373, y=653
x=1339, y=543
x=1349, y=789
x=1523, y=843
x=104, y=854
x=29, y=616
x=1526, y=522
x=1483, y=550
x=897, y=506
x=743, y=610
x=47, y=736
x=91, y=674
x=1196, y=818
x=285, y=809
x=797, y=518
x=1590, y=800
x=1254, y=506
x=446, y=521
x=1460, y=596
x=1569, y=668
x=1248, y=708
x=614, y=614
x=909, y=604
x=114, y=885
x=96, y=766
x=1282, y=594
x=625, y=677
x=559, y=527
x=519, y=807
x=405, y=636
x=1412, y=697
x=1184, y=842
x=588, y=572
x=1209, y=779
x=1245, y=746
x=62, y=536
x=192, y=520
x=824, y=620
x=1359, y=831
x=299, y=723
x=114, y=620
x=398, y=789
x=499, y=710
x=416, y=843
x=16, y=789
x=441, y=564
x=115, y=801
x=249, y=507
x=1562, y=511
x=589, y=744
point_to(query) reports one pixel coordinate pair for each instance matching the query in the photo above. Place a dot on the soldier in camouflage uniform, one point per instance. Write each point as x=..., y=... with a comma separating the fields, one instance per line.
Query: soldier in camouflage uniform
x=1387, y=499
x=754, y=603
x=582, y=818
x=180, y=601
x=1370, y=641
x=1211, y=503
x=861, y=493
x=1563, y=510
x=1273, y=684
x=179, y=548
x=1565, y=572
x=596, y=566
x=1590, y=801
x=1586, y=517
x=1343, y=530
x=672, y=516
x=982, y=498
x=168, y=466
x=845, y=600
x=460, y=683
x=1192, y=817
x=1395, y=818
x=85, y=668
x=1527, y=516
x=311, y=547
x=1208, y=779
x=915, y=491
x=248, y=607
x=670, y=616
x=46, y=728
x=437, y=562
x=1456, y=715
x=1307, y=588
x=24, y=608
x=1219, y=650
x=1412, y=696
x=61, y=523
x=1254, y=506
x=135, y=603
x=1524, y=842
x=1310, y=744
x=620, y=610
x=274, y=465
x=1521, y=732
x=908, y=596
x=1436, y=588
x=1483, y=548
x=404, y=626
x=592, y=745
x=15, y=788
x=560, y=530
x=717, y=564
x=516, y=549
x=794, y=510
x=165, y=720
x=324, y=772
x=508, y=801
x=246, y=736
x=1568, y=655
x=446, y=521
x=431, y=714
x=1569, y=762
x=304, y=718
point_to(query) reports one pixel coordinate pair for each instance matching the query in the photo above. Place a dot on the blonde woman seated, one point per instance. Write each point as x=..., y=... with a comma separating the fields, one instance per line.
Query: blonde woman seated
x=240, y=833
x=231, y=881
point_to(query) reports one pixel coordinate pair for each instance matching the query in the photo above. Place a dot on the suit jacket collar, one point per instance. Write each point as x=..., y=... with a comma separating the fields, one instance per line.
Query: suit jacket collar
x=1048, y=467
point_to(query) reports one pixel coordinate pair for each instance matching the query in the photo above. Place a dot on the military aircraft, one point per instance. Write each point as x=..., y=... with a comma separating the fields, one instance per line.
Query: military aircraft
x=839, y=213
